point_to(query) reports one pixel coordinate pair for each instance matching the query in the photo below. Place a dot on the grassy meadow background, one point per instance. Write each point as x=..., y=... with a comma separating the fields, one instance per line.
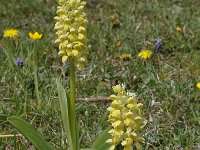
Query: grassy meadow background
x=164, y=83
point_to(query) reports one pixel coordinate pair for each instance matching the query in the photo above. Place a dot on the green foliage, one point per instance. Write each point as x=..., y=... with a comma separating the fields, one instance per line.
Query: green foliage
x=30, y=133
x=100, y=142
x=65, y=113
x=33, y=135
x=165, y=84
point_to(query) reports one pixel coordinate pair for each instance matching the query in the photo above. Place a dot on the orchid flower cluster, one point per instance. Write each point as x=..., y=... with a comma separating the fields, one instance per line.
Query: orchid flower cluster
x=126, y=119
x=71, y=31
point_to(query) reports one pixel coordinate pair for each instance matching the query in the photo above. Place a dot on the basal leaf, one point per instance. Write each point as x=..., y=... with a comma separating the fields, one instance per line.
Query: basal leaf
x=100, y=142
x=30, y=133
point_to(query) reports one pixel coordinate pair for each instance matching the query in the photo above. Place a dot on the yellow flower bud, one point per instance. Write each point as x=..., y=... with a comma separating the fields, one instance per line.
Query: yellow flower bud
x=118, y=89
x=64, y=58
x=75, y=53
x=35, y=36
x=61, y=53
x=80, y=66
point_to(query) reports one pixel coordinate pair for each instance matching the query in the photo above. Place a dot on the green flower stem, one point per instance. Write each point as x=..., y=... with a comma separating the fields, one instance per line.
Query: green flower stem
x=36, y=87
x=72, y=102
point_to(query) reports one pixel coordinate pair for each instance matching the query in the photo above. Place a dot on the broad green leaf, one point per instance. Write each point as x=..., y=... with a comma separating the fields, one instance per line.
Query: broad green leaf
x=65, y=113
x=100, y=142
x=30, y=133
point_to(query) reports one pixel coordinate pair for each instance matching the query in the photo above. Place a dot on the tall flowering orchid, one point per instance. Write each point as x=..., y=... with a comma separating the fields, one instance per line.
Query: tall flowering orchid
x=126, y=120
x=71, y=31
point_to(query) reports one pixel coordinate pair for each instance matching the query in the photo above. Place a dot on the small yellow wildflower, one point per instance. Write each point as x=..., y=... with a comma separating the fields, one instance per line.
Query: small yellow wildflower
x=198, y=85
x=178, y=29
x=10, y=33
x=126, y=119
x=145, y=54
x=125, y=56
x=35, y=36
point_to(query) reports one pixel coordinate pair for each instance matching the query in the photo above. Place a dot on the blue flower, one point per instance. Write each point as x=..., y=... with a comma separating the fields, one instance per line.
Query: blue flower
x=19, y=62
x=158, y=44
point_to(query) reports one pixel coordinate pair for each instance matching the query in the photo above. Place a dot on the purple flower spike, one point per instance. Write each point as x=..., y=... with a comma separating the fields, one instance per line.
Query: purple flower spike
x=158, y=44
x=19, y=62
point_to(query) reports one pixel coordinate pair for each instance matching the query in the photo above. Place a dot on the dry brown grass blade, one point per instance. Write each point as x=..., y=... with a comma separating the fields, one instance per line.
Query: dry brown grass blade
x=10, y=135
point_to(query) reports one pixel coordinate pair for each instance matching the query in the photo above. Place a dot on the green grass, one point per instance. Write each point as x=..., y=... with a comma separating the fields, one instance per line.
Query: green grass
x=165, y=84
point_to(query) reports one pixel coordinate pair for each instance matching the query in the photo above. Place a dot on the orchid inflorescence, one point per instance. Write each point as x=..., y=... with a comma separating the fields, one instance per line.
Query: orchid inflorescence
x=126, y=119
x=71, y=31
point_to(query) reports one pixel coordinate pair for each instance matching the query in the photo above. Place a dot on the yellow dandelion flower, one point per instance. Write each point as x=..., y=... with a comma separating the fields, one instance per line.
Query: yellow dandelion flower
x=35, y=36
x=10, y=33
x=125, y=57
x=198, y=85
x=145, y=54
x=178, y=29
